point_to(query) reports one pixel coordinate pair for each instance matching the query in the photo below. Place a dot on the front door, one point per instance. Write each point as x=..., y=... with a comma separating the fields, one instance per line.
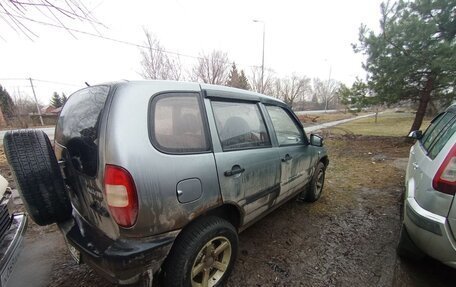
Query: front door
x=294, y=152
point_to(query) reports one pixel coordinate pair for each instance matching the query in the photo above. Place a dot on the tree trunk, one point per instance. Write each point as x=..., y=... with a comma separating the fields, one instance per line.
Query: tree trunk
x=424, y=100
x=376, y=115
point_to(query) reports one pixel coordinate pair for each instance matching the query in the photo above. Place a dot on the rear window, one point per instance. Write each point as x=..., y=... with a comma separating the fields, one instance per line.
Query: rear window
x=434, y=131
x=177, y=123
x=78, y=127
x=442, y=139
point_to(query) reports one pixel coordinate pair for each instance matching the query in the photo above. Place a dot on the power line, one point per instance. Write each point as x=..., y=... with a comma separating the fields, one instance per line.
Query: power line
x=113, y=39
x=12, y=79
x=43, y=81
x=58, y=83
x=103, y=37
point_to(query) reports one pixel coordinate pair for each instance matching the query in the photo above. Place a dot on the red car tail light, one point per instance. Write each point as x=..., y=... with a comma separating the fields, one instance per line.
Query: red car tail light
x=445, y=178
x=121, y=195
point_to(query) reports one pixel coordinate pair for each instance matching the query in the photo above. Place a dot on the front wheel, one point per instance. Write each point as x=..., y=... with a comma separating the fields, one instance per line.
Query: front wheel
x=316, y=183
x=203, y=255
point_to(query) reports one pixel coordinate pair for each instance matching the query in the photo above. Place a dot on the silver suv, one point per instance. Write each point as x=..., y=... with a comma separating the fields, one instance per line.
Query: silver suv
x=429, y=224
x=161, y=175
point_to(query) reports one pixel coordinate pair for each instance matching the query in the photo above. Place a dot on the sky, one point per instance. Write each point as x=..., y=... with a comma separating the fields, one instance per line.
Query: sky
x=309, y=38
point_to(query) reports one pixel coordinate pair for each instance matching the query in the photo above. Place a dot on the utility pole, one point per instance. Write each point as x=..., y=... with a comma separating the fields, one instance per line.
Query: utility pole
x=327, y=88
x=262, y=57
x=36, y=102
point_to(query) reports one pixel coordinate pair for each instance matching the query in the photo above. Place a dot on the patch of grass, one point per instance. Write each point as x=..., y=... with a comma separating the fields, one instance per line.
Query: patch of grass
x=353, y=169
x=388, y=124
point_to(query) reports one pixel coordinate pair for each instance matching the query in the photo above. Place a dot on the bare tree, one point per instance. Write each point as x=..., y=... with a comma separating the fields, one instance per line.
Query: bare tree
x=211, y=68
x=255, y=80
x=326, y=91
x=156, y=64
x=290, y=89
x=23, y=107
x=20, y=14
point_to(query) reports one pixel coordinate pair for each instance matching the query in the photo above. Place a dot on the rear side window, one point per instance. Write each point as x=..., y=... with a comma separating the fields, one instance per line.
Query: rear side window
x=78, y=127
x=240, y=125
x=177, y=123
x=285, y=127
x=434, y=130
x=442, y=139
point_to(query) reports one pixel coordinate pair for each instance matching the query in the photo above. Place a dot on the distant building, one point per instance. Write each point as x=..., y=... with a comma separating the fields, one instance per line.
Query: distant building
x=50, y=110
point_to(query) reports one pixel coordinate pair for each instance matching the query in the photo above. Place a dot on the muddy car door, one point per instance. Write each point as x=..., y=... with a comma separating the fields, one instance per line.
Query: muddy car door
x=248, y=166
x=294, y=151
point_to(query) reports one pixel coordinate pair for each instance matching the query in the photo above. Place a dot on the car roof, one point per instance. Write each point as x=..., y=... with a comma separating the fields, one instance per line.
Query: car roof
x=216, y=91
x=213, y=91
x=451, y=109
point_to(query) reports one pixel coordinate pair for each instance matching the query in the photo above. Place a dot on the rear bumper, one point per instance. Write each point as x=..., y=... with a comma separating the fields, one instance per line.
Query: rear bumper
x=11, y=246
x=430, y=232
x=120, y=261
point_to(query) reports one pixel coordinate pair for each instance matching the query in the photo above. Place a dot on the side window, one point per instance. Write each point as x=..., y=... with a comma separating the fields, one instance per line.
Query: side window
x=435, y=129
x=177, y=123
x=286, y=130
x=240, y=125
x=442, y=139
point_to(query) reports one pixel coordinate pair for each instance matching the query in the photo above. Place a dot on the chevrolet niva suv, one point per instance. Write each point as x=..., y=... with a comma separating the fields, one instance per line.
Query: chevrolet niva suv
x=155, y=176
x=429, y=224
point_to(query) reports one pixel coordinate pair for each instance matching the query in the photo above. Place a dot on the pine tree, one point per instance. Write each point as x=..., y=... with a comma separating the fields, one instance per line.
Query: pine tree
x=64, y=98
x=6, y=103
x=412, y=57
x=233, y=77
x=56, y=100
x=243, y=82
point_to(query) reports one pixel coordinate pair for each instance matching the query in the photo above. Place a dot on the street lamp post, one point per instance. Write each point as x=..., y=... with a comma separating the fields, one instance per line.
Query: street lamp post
x=262, y=57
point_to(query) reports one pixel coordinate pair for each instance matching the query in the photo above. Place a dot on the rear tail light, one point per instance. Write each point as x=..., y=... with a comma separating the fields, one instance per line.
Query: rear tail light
x=121, y=196
x=445, y=178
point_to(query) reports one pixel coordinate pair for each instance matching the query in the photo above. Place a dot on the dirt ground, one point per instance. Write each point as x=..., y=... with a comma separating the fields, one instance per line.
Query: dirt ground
x=347, y=238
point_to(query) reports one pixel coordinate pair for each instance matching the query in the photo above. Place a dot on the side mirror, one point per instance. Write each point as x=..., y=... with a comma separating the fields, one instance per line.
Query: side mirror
x=316, y=140
x=416, y=135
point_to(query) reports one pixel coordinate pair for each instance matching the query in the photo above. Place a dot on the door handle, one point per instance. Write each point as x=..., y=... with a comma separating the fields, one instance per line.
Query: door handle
x=236, y=169
x=287, y=158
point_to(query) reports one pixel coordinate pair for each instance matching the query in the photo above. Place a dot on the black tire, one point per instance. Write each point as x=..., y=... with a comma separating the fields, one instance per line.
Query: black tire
x=406, y=248
x=179, y=263
x=38, y=176
x=314, y=188
x=145, y=280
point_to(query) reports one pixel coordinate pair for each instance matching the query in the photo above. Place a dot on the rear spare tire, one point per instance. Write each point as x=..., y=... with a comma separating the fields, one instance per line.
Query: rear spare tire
x=38, y=176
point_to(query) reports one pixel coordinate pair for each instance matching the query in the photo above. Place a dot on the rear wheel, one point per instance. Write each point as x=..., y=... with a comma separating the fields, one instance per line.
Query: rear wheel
x=203, y=255
x=38, y=176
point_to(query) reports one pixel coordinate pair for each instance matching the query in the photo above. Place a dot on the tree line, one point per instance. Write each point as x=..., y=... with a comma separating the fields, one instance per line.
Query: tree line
x=216, y=68
x=57, y=100
x=13, y=108
x=19, y=105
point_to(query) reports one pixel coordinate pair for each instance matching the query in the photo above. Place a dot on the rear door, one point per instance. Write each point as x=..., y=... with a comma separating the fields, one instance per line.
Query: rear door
x=295, y=154
x=248, y=166
x=427, y=159
x=77, y=141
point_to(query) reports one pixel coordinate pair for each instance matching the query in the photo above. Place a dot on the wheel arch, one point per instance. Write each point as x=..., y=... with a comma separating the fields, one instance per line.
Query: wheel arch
x=325, y=161
x=228, y=211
